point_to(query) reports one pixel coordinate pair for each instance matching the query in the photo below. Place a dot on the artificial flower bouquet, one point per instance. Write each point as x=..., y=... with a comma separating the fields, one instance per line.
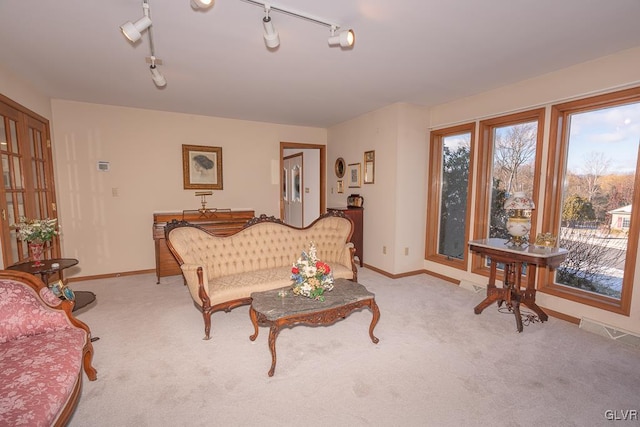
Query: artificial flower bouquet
x=36, y=230
x=311, y=277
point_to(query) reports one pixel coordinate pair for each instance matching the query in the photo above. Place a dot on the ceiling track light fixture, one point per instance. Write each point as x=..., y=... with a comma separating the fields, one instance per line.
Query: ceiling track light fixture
x=156, y=75
x=202, y=4
x=345, y=39
x=271, y=36
x=133, y=30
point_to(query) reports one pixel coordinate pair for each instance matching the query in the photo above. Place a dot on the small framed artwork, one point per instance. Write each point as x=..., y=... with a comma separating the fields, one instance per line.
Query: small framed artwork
x=369, y=166
x=340, y=167
x=340, y=186
x=354, y=175
x=202, y=167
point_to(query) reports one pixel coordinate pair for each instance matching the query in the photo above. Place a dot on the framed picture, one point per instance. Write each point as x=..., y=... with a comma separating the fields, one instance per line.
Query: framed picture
x=340, y=186
x=340, y=167
x=202, y=167
x=369, y=166
x=354, y=175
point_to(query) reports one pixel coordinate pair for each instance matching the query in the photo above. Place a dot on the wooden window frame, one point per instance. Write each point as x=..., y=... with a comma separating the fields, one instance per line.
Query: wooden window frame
x=557, y=158
x=434, y=195
x=484, y=174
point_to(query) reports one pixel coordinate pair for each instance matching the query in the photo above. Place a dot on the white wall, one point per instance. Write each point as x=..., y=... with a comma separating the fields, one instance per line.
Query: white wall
x=112, y=233
x=394, y=204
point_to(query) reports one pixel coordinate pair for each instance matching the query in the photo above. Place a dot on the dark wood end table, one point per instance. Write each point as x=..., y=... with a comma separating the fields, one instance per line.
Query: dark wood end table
x=53, y=266
x=270, y=309
x=511, y=293
x=48, y=268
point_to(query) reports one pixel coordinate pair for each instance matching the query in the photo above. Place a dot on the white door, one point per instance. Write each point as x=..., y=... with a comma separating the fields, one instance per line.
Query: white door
x=292, y=190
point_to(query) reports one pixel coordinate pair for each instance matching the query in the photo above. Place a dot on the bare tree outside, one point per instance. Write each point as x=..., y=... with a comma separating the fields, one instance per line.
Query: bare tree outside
x=593, y=196
x=595, y=166
x=514, y=156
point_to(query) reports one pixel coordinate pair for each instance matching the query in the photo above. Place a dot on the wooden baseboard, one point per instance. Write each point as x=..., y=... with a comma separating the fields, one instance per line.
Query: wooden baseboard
x=562, y=316
x=110, y=275
x=412, y=273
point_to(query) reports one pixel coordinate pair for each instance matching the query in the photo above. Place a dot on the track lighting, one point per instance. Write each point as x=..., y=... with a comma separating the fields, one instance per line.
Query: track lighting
x=271, y=37
x=202, y=4
x=133, y=30
x=157, y=77
x=343, y=38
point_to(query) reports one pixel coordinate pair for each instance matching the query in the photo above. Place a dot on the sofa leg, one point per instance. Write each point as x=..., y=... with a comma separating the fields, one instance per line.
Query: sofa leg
x=207, y=325
x=91, y=372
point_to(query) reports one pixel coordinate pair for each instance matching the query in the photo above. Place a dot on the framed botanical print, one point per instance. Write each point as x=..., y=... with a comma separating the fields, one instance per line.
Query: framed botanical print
x=202, y=167
x=354, y=175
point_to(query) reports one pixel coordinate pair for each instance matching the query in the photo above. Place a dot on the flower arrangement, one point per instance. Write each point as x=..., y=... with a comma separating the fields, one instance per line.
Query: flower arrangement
x=36, y=230
x=311, y=277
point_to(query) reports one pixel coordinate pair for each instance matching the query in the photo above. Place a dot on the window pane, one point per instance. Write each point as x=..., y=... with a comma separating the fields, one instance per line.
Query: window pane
x=514, y=158
x=598, y=198
x=453, y=201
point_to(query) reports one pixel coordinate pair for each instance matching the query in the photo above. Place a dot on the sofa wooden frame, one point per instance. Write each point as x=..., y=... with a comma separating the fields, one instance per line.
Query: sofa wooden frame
x=207, y=309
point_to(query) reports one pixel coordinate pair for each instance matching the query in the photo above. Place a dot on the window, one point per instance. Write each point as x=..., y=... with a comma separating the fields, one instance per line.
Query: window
x=593, y=153
x=450, y=195
x=509, y=148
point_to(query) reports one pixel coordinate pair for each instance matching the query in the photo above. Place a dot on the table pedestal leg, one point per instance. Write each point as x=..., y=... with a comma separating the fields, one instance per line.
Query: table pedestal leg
x=274, y=330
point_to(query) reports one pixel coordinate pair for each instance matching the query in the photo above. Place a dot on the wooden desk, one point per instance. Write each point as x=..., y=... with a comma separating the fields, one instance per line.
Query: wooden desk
x=513, y=257
x=221, y=222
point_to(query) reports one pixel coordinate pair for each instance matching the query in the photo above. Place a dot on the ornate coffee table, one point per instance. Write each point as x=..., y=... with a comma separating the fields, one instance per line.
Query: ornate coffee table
x=270, y=309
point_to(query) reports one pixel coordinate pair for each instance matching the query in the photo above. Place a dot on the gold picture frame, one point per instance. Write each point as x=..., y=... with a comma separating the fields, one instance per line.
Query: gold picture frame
x=340, y=186
x=369, y=167
x=354, y=175
x=202, y=167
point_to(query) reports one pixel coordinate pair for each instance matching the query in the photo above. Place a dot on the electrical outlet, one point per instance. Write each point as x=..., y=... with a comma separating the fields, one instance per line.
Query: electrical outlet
x=114, y=192
x=384, y=250
x=406, y=251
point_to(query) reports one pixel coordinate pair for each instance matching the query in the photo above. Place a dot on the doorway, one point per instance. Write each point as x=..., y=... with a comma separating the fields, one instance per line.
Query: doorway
x=27, y=173
x=313, y=189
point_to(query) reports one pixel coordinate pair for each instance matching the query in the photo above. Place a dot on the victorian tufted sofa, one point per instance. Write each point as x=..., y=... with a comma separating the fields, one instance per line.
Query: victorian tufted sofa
x=222, y=272
x=42, y=351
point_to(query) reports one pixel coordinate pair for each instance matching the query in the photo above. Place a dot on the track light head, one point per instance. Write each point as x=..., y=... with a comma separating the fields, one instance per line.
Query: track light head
x=271, y=36
x=343, y=38
x=157, y=76
x=133, y=30
x=202, y=4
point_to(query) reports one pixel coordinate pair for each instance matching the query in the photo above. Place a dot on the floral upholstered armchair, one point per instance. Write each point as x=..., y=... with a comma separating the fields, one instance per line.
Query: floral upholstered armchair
x=43, y=349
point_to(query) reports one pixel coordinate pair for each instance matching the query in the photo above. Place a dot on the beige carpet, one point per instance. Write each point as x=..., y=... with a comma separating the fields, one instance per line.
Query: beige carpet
x=437, y=364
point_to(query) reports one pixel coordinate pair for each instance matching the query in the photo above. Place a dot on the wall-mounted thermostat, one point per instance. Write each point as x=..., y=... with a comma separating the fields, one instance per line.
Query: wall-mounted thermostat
x=103, y=166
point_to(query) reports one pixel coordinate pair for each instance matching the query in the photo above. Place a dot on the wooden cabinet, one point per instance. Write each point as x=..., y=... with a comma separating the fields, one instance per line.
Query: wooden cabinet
x=356, y=215
x=222, y=223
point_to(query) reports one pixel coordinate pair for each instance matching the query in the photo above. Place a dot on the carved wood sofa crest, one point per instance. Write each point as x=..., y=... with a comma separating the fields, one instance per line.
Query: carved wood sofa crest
x=221, y=272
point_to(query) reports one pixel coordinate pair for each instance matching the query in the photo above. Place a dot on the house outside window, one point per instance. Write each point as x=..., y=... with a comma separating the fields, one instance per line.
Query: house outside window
x=593, y=158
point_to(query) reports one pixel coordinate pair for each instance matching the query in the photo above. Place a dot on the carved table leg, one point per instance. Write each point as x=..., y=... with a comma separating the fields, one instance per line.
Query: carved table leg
x=273, y=334
x=374, y=321
x=254, y=321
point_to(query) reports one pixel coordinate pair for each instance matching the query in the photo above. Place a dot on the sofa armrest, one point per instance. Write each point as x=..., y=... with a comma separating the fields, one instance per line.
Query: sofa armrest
x=346, y=255
x=194, y=283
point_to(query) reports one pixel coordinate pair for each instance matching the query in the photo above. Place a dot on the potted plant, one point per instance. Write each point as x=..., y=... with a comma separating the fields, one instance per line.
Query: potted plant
x=36, y=232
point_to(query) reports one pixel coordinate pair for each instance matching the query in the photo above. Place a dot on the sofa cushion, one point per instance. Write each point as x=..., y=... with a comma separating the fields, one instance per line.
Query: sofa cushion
x=22, y=314
x=37, y=376
x=238, y=286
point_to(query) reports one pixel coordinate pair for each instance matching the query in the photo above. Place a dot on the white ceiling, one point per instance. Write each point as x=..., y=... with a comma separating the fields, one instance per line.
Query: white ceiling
x=425, y=52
